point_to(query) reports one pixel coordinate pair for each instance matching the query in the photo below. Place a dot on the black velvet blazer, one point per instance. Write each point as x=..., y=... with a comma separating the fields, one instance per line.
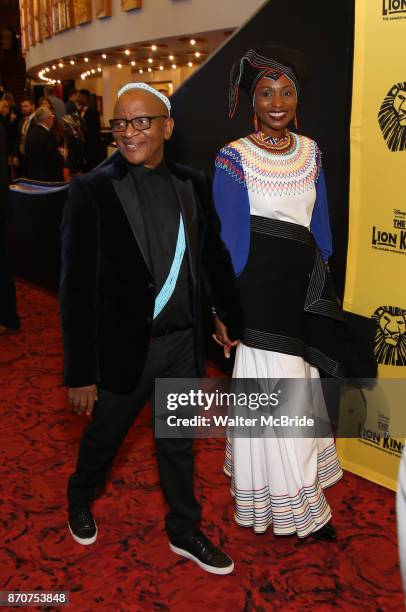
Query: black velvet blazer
x=107, y=289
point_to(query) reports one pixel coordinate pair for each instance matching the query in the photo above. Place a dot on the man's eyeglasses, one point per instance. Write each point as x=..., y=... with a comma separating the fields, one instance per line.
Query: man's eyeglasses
x=138, y=123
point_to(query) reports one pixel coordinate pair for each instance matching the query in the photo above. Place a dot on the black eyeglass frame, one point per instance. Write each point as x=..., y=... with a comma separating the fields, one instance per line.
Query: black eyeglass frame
x=150, y=118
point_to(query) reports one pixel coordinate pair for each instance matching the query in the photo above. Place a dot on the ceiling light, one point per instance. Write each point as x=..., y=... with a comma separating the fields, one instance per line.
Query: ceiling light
x=119, y=65
x=60, y=65
x=133, y=63
x=197, y=54
x=47, y=69
x=54, y=67
x=82, y=76
x=171, y=57
x=150, y=60
x=192, y=41
x=149, y=69
x=99, y=69
x=58, y=81
x=190, y=64
x=154, y=47
x=86, y=59
x=161, y=67
x=174, y=66
x=93, y=71
x=104, y=56
x=127, y=51
x=141, y=71
x=72, y=62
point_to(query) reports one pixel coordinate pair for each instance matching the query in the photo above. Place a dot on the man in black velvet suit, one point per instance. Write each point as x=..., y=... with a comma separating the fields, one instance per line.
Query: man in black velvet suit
x=121, y=236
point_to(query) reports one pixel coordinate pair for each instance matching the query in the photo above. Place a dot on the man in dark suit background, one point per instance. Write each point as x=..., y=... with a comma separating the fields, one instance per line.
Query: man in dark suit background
x=126, y=226
x=43, y=159
x=24, y=126
x=93, y=148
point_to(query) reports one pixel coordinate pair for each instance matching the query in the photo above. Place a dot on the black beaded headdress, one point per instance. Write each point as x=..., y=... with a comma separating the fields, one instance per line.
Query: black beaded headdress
x=271, y=62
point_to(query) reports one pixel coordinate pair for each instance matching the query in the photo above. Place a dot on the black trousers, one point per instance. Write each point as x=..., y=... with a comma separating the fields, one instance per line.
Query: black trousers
x=170, y=356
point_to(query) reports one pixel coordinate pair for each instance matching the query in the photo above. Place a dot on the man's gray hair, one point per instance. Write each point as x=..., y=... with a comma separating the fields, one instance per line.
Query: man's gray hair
x=42, y=114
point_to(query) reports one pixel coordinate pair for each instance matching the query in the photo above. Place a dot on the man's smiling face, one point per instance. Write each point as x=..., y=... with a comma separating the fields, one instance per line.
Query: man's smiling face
x=142, y=146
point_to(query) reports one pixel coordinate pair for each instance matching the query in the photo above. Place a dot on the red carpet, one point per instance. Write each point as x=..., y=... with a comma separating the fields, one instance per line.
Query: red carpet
x=130, y=567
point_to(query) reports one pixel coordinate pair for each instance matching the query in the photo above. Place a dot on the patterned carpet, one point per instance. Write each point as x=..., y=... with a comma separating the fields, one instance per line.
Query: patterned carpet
x=130, y=567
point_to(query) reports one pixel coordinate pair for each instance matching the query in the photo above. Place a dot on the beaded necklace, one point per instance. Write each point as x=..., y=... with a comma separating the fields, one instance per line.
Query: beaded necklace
x=279, y=146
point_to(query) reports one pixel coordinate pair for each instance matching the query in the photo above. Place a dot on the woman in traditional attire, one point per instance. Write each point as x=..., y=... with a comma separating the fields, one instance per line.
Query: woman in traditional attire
x=270, y=195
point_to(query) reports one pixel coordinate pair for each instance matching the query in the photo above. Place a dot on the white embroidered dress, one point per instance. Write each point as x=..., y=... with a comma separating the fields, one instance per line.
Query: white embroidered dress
x=280, y=481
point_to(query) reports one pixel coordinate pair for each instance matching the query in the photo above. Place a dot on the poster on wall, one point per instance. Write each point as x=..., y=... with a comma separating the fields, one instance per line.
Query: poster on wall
x=102, y=8
x=129, y=5
x=376, y=259
x=30, y=23
x=82, y=11
x=25, y=42
x=37, y=24
x=45, y=18
x=61, y=15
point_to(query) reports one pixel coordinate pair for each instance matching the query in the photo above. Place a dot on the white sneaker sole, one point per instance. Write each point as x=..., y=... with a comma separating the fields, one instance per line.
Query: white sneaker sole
x=83, y=541
x=221, y=571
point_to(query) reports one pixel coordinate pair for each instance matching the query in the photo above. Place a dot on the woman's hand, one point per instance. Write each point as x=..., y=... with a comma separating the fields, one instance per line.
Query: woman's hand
x=221, y=337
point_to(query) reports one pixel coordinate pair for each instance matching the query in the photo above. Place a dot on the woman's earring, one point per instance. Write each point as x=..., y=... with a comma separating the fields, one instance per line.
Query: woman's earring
x=255, y=122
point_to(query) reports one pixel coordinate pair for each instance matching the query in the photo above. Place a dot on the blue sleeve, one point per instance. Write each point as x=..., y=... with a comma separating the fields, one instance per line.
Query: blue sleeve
x=320, y=223
x=232, y=206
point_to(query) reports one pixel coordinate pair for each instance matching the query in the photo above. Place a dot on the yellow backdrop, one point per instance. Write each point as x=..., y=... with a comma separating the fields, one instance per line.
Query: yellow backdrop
x=376, y=265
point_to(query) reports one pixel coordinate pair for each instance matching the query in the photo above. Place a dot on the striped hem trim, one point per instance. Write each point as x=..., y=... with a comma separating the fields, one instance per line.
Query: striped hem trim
x=302, y=513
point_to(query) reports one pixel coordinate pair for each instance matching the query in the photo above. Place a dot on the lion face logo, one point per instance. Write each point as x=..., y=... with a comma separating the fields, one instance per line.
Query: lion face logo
x=392, y=118
x=390, y=335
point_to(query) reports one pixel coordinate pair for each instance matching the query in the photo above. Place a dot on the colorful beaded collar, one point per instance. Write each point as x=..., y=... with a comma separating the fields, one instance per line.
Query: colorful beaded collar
x=276, y=145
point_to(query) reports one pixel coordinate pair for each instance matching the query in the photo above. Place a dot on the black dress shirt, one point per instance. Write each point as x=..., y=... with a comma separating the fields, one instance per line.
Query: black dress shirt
x=161, y=213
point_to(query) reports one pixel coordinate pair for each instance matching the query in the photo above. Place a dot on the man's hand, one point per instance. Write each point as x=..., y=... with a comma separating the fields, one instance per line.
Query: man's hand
x=82, y=399
x=221, y=337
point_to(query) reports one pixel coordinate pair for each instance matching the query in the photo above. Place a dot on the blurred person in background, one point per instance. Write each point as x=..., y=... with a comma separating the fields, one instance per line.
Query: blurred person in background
x=93, y=148
x=74, y=134
x=44, y=161
x=57, y=104
x=9, y=320
x=57, y=129
x=24, y=126
x=401, y=518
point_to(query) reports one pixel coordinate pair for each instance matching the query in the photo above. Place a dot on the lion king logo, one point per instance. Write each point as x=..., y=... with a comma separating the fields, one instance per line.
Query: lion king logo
x=390, y=335
x=392, y=117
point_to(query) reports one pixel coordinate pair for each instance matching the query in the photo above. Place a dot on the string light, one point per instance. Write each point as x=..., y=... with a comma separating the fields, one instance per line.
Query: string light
x=174, y=66
x=171, y=57
x=192, y=41
x=197, y=54
x=119, y=65
x=104, y=56
x=86, y=59
x=72, y=62
x=133, y=63
x=127, y=52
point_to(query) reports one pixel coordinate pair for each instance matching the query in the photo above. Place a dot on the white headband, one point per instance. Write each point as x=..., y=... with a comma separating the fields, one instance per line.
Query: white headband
x=147, y=87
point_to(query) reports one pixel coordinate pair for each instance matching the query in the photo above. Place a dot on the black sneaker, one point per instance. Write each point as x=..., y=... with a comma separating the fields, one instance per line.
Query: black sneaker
x=198, y=548
x=82, y=525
